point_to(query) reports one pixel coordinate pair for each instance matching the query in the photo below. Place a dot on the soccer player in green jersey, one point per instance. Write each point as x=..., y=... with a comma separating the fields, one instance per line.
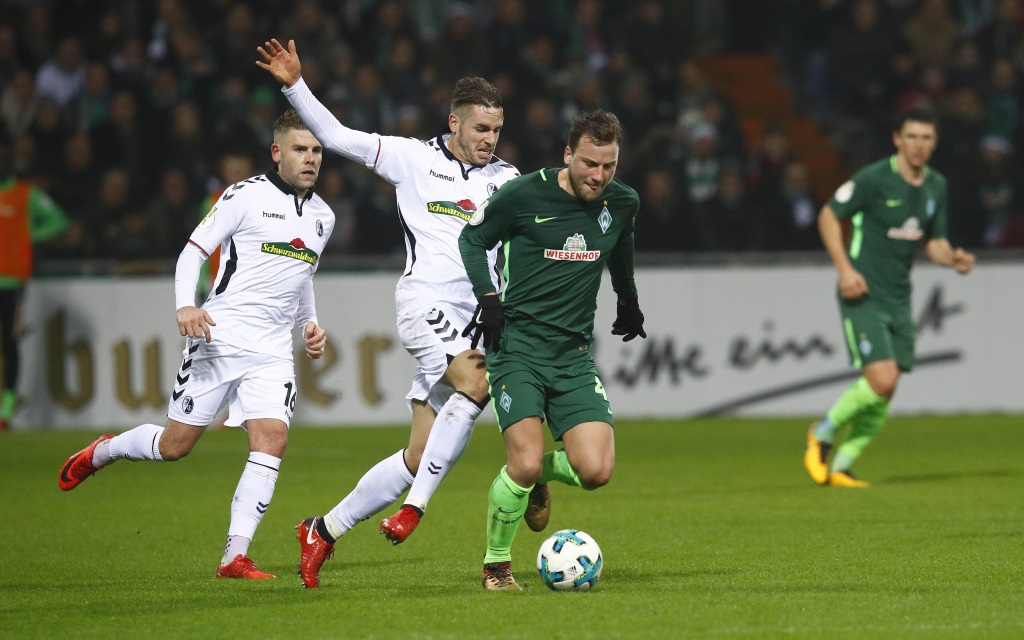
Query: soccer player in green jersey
x=558, y=227
x=891, y=205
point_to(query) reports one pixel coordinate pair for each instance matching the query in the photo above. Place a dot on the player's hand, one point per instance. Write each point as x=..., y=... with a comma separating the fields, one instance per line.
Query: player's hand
x=629, y=320
x=282, y=63
x=852, y=284
x=194, y=322
x=485, y=327
x=316, y=340
x=963, y=261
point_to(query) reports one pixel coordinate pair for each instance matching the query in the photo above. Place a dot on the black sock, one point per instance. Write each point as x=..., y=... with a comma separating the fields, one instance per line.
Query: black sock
x=321, y=529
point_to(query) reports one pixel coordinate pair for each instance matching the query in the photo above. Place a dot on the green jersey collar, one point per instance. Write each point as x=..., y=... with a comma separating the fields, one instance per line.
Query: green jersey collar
x=896, y=167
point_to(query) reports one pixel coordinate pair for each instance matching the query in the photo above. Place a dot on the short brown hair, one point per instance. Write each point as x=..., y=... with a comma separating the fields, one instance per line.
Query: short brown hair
x=600, y=126
x=924, y=115
x=286, y=122
x=473, y=91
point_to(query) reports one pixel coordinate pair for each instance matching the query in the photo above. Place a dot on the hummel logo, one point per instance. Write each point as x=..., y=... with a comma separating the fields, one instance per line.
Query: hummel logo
x=539, y=219
x=893, y=203
x=262, y=508
x=434, y=469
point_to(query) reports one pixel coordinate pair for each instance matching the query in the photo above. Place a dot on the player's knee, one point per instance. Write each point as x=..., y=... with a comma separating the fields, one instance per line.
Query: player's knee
x=477, y=390
x=412, y=459
x=884, y=385
x=595, y=478
x=171, y=451
x=525, y=473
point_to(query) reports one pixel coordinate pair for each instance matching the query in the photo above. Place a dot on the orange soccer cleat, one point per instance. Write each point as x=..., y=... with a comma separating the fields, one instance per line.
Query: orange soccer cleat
x=242, y=568
x=79, y=466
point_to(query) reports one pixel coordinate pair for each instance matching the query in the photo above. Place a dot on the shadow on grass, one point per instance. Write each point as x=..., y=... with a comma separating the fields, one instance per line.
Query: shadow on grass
x=952, y=475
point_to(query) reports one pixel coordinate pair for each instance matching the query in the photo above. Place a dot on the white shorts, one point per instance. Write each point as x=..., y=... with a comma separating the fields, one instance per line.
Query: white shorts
x=254, y=385
x=434, y=337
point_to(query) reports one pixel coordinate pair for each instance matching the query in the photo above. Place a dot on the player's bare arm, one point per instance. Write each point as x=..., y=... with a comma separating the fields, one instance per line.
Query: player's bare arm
x=851, y=283
x=193, y=322
x=941, y=252
x=282, y=63
x=316, y=340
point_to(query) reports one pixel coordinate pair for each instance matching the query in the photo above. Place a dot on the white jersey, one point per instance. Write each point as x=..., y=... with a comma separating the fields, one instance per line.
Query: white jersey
x=270, y=242
x=437, y=194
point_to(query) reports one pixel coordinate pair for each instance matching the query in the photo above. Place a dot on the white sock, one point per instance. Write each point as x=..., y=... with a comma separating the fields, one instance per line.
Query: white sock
x=251, y=499
x=448, y=438
x=237, y=545
x=140, y=443
x=379, y=487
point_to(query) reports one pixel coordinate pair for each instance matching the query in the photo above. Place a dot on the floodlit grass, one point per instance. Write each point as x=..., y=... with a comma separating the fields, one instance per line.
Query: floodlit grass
x=710, y=528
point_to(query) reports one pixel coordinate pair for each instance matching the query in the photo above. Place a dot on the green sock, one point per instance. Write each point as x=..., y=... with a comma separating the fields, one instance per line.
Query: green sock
x=865, y=428
x=858, y=397
x=506, y=505
x=7, y=400
x=557, y=467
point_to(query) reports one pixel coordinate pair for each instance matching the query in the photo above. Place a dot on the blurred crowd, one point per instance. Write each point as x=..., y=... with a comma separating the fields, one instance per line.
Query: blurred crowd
x=132, y=115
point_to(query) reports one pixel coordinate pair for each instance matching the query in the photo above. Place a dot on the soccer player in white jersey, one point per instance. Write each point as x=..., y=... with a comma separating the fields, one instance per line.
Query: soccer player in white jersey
x=440, y=183
x=271, y=229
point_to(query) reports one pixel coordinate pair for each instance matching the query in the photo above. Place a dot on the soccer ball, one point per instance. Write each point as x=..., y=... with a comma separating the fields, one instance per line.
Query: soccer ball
x=569, y=560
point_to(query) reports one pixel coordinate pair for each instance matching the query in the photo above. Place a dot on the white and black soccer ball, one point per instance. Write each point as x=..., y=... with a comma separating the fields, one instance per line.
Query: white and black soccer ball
x=569, y=560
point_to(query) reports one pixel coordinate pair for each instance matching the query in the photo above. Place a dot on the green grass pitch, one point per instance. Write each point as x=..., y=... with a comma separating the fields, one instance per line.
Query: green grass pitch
x=710, y=529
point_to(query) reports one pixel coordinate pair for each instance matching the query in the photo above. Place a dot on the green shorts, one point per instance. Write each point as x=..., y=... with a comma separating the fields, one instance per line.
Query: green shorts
x=565, y=394
x=876, y=331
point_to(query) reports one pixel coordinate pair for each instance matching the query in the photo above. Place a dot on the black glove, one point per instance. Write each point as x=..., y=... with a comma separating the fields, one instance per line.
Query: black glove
x=629, y=320
x=485, y=327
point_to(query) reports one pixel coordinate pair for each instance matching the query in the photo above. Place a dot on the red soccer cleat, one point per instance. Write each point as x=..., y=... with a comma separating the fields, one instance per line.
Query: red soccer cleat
x=79, y=466
x=400, y=526
x=242, y=568
x=313, y=552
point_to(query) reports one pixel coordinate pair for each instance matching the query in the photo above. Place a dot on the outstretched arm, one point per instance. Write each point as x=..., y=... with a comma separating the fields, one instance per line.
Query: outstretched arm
x=284, y=65
x=941, y=252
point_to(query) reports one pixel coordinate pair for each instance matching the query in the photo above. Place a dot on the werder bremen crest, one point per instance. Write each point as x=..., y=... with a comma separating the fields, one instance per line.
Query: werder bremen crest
x=605, y=219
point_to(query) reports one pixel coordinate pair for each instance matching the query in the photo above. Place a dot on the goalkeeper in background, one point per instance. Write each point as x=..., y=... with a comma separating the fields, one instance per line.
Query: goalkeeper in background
x=559, y=226
x=27, y=216
x=892, y=205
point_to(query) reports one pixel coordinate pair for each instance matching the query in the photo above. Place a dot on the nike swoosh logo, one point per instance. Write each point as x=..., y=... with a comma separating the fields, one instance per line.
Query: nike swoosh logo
x=312, y=530
x=67, y=467
x=893, y=203
x=539, y=219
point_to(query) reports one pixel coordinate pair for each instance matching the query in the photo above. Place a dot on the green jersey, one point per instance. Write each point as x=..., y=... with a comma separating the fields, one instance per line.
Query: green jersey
x=890, y=217
x=555, y=248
